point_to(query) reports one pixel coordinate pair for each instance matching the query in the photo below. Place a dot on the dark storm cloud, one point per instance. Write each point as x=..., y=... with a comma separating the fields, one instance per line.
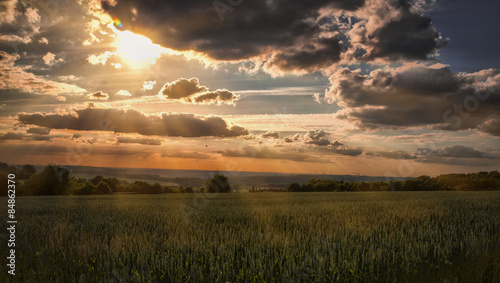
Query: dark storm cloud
x=418, y=96
x=243, y=32
x=410, y=37
x=144, y=141
x=309, y=57
x=190, y=91
x=131, y=121
x=295, y=35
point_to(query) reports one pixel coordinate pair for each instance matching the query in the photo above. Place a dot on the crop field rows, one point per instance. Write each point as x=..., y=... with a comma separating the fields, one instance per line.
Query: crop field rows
x=268, y=237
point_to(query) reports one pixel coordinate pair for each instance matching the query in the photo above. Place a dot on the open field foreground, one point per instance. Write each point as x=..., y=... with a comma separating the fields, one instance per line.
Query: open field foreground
x=267, y=237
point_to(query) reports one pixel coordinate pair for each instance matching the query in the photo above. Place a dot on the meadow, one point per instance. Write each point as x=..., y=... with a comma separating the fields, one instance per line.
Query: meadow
x=266, y=237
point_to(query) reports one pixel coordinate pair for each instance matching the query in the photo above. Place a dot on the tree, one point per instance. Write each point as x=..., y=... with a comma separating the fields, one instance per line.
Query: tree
x=53, y=180
x=156, y=188
x=27, y=171
x=3, y=184
x=102, y=188
x=293, y=187
x=97, y=179
x=86, y=188
x=219, y=183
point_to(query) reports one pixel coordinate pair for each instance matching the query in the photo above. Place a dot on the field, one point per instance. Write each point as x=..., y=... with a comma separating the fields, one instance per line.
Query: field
x=259, y=237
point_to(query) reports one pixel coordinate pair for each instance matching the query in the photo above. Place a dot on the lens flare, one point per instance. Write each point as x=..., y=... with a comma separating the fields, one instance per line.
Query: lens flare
x=117, y=23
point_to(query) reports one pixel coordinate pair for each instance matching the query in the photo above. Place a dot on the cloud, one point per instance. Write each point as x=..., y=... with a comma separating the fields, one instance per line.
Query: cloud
x=324, y=145
x=344, y=150
x=293, y=138
x=39, y=131
x=148, y=85
x=99, y=95
x=339, y=148
x=123, y=92
x=309, y=58
x=317, y=137
x=19, y=22
x=182, y=88
x=50, y=59
x=12, y=136
x=265, y=153
x=144, y=141
x=43, y=40
x=398, y=154
x=412, y=36
x=189, y=155
x=61, y=149
x=101, y=58
x=491, y=126
x=271, y=134
x=458, y=151
x=220, y=96
x=190, y=91
x=7, y=11
x=131, y=121
x=17, y=78
x=286, y=36
x=417, y=95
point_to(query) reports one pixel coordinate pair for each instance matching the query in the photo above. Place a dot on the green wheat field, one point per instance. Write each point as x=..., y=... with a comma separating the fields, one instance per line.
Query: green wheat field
x=259, y=237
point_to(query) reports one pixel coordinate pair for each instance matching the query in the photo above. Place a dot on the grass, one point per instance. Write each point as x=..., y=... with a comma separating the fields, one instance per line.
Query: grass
x=268, y=237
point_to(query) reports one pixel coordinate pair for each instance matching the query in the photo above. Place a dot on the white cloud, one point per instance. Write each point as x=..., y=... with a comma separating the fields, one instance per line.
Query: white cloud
x=50, y=59
x=123, y=93
x=148, y=85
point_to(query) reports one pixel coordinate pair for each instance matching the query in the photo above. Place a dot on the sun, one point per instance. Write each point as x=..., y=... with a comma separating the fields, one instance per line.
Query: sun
x=137, y=50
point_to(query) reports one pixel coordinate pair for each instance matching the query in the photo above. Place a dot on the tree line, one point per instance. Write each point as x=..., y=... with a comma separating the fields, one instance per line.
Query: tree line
x=446, y=182
x=57, y=180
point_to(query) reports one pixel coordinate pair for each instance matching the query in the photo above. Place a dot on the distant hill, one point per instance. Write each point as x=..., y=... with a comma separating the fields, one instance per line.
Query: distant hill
x=196, y=178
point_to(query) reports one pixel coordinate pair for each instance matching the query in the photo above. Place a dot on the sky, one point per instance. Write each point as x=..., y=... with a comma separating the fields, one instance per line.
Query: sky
x=390, y=88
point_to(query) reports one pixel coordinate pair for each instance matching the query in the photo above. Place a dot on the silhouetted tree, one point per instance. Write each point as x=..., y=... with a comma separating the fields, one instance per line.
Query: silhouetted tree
x=53, y=180
x=293, y=187
x=219, y=183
